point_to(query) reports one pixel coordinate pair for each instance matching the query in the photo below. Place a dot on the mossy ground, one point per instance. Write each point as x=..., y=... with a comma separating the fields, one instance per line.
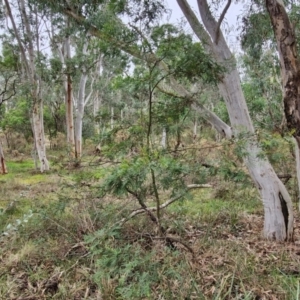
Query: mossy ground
x=62, y=242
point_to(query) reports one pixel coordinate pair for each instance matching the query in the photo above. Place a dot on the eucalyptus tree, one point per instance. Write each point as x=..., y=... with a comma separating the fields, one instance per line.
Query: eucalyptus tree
x=257, y=39
x=9, y=66
x=284, y=32
x=28, y=39
x=87, y=68
x=109, y=98
x=61, y=45
x=262, y=89
x=278, y=222
x=8, y=82
x=104, y=24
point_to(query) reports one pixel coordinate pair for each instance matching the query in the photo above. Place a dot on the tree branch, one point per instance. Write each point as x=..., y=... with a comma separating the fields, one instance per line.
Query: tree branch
x=221, y=20
x=143, y=205
x=151, y=58
x=8, y=88
x=213, y=29
x=16, y=32
x=164, y=205
x=195, y=24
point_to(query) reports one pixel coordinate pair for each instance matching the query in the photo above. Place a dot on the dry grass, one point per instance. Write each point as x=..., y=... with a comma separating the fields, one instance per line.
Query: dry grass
x=68, y=248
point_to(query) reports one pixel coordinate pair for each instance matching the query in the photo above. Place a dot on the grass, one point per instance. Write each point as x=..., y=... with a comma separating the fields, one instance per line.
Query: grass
x=71, y=248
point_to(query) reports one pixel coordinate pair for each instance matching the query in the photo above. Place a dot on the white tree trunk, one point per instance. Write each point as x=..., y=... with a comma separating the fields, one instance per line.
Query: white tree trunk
x=278, y=222
x=64, y=52
x=69, y=101
x=38, y=131
x=82, y=100
x=164, y=138
x=96, y=107
x=79, y=115
x=112, y=115
x=195, y=129
x=122, y=115
x=33, y=78
x=277, y=203
x=3, y=168
x=97, y=98
x=175, y=88
x=221, y=127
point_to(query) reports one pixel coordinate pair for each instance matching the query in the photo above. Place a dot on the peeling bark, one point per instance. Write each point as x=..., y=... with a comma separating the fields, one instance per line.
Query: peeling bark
x=278, y=221
x=290, y=70
x=289, y=63
x=260, y=170
x=297, y=156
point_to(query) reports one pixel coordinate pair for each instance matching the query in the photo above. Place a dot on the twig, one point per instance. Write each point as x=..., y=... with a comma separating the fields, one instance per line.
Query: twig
x=176, y=240
x=199, y=186
x=143, y=205
x=6, y=90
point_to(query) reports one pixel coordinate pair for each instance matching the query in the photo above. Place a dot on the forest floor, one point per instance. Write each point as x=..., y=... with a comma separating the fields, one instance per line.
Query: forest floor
x=60, y=241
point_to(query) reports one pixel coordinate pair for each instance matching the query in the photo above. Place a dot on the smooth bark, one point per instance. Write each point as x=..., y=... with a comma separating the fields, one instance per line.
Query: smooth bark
x=112, y=116
x=33, y=80
x=65, y=55
x=81, y=101
x=278, y=212
x=195, y=129
x=97, y=97
x=37, y=122
x=164, y=138
x=174, y=88
x=96, y=107
x=79, y=115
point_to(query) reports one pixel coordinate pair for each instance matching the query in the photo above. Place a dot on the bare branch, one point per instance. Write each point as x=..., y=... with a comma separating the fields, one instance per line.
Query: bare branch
x=164, y=205
x=142, y=35
x=221, y=20
x=9, y=89
x=143, y=205
x=17, y=35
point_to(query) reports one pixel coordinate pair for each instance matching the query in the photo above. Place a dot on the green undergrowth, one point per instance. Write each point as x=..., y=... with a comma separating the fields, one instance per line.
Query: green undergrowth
x=18, y=168
x=205, y=206
x=65, y=241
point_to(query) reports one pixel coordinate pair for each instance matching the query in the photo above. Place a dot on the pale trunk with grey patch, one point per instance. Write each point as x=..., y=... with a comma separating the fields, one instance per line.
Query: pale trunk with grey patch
x=32, y=77
x=278, y=213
